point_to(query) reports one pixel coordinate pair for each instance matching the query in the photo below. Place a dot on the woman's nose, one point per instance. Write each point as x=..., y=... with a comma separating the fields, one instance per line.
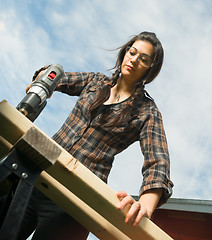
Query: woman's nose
x=134, y=59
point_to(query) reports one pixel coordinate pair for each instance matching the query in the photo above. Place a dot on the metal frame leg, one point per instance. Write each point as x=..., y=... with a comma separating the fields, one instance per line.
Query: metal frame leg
x=25, y=175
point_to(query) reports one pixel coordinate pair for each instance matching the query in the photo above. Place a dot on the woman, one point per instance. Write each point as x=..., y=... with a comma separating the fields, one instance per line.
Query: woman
x=111, y=114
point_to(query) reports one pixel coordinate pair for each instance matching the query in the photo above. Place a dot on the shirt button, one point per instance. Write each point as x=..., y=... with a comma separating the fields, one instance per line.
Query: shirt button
x=99, y=117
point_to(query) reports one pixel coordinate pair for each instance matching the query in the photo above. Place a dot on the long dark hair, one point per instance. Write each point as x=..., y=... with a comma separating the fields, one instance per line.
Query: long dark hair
x=148, y=77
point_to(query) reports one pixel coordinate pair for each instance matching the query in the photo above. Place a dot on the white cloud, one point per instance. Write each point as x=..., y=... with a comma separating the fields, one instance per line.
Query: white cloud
x=2, y=26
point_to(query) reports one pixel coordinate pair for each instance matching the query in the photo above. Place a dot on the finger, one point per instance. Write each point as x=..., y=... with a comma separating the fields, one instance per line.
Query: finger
x=125, y=201
x=40, y=73
x=121, y=194
x=142, y=213
x=138, y=218
x=28, y=87
x=133, y=212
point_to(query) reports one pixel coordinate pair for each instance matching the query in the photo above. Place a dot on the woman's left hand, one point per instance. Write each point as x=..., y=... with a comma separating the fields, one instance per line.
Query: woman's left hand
x=136, y=211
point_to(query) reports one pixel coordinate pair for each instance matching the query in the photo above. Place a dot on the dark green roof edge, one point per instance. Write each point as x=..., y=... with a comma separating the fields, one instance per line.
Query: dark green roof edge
x=191, y=205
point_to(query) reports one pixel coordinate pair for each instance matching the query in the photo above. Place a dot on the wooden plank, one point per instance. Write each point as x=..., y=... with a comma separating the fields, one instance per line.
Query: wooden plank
x=103, y=200
x=9, y=124
x=80, y=211
x=5, y=146
x=36, y=147
x=81, y=182
x=12, y=126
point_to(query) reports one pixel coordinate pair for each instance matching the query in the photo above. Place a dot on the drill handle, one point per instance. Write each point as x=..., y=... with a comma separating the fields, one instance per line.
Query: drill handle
x=42, y=87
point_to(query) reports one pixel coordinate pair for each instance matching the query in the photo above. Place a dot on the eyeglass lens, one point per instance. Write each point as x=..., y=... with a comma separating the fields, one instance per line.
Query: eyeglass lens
x=143, y=58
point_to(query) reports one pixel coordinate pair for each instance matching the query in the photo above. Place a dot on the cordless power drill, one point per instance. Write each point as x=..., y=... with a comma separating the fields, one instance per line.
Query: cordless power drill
x=41, y=89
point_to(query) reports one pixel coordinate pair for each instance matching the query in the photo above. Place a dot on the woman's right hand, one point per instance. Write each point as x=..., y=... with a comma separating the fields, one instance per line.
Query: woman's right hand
x=36, y=75
x=29, y=86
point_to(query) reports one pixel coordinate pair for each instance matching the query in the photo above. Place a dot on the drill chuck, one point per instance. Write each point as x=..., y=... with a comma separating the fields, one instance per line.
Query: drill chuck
x=29, y=103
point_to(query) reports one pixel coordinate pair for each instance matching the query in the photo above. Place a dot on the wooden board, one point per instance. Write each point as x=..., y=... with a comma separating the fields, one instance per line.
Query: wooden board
x=38, y=149
x=78, y=209
x=82, y=183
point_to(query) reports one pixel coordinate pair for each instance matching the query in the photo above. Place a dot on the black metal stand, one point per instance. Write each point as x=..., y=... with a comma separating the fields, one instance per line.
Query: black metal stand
x=23, y=174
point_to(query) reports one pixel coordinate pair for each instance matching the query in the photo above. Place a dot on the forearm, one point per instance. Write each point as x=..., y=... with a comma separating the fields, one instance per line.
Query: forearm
x=150, y=199
x=74, y=82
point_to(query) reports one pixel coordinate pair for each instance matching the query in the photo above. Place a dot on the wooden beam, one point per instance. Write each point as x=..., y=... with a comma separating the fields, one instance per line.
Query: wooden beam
x=79, y=210
x=82, y=183
x=5, y=146
x=95, y=193
x=36, y=147
x=11, y=129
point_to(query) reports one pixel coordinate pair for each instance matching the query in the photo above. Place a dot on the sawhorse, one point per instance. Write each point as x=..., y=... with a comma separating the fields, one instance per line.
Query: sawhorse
x=22, y=174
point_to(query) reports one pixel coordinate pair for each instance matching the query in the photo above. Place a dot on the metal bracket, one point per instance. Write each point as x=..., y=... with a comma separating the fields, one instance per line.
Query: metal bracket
x=25, y=174
x=17, y=163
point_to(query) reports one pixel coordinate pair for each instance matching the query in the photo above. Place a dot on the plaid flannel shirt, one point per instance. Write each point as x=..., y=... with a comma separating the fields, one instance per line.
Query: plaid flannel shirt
x=95, y=145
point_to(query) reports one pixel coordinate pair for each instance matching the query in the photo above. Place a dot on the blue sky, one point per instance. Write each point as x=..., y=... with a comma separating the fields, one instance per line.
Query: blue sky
x=79, y=34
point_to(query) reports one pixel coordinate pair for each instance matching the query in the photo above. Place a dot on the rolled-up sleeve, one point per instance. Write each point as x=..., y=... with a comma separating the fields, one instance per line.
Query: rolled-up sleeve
x=156, y=167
